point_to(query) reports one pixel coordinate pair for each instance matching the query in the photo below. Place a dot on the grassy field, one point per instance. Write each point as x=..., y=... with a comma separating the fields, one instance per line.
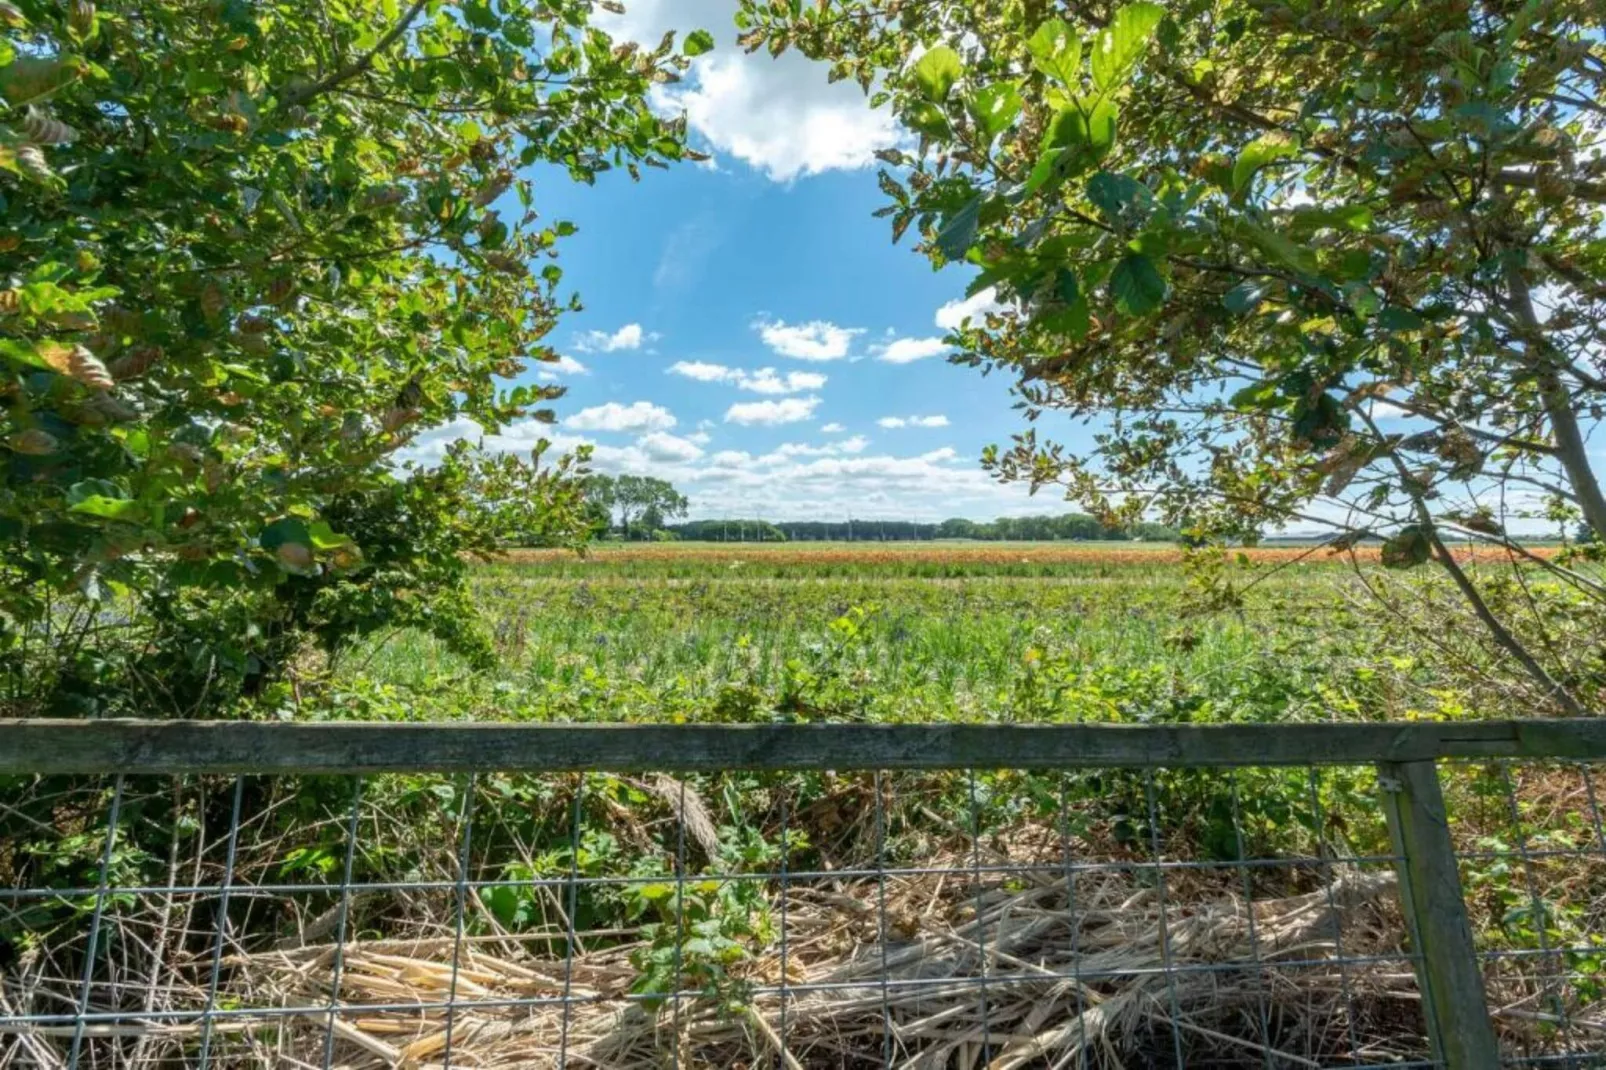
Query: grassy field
x=910, y=631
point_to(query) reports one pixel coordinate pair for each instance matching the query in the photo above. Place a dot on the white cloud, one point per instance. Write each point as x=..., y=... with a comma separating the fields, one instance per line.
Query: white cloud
x=785, y=411
x=700, y=370
x=778, y=115
x=794, y=482
x=762, y=381
x=612, y=416
x=952, y=316
x=700, y=438
x=815, y=340
x=894, y=422
x=766, y=381
x=833, y=428
x=788, y=450
x=549, y=370
x=661, y=446
x=908, y=350
x=630, y=336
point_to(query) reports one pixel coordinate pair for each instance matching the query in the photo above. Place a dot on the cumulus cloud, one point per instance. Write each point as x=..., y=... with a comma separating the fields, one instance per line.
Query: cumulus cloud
x=815, y=340
x=952, y=316
x=548, y=370
x=612, y=416
x=833, y=428
x=630, y=336
x=661, y=446
x=777, y=115
x=894, y=422
x=908, y=350
x=796, y=481
x=762, y=381
x=770, y=413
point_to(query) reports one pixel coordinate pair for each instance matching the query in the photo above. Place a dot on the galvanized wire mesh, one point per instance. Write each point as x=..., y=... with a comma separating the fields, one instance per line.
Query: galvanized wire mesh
x=980, y=918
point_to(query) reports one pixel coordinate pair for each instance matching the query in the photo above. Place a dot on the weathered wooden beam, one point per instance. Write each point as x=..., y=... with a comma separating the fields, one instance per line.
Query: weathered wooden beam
x=1446, y=960
x=166, y=747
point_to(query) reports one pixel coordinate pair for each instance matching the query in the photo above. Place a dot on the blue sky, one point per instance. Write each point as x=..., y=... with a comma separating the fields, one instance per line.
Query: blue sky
x=749, y=331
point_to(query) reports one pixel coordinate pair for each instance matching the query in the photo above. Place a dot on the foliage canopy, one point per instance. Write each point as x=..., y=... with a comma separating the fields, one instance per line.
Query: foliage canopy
x=1342, y=264
x=250, y=250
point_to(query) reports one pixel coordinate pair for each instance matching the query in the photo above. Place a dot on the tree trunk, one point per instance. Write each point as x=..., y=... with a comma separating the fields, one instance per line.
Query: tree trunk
x=1570, y=448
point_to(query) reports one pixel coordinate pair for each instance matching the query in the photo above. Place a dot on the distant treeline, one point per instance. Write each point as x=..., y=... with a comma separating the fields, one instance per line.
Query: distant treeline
x=1072, y=526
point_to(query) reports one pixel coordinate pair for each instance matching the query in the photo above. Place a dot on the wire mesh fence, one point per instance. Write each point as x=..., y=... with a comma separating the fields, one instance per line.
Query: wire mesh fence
x=1138, y=915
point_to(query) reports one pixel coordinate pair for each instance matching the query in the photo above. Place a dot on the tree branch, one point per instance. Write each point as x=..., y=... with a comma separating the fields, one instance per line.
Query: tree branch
x=1469, y=590
x=302, y=94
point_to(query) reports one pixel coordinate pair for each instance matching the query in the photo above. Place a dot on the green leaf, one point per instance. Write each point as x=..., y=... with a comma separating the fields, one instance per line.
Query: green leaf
x=1101, y=127
x=86, y=489
x=124, y=509
x=1342, y=217
x=104, y=499
x=289, y=529
x=1257, y=154
x=994, y=107
x=323, y=537
x=23, y=353
x=1072, y=320
x=1280, y=247
x=926, y=118
x=1121, y=200
x=1137, y=285
x=1244, y=297
x=1056, y=51
x=1395, y=318
x=1066, y=287
x=1409, y=548
x=698, y=42
x=1261, y=396
x=1119, y=45
x=958, y=231
x=1077, y=138
x=936, y=72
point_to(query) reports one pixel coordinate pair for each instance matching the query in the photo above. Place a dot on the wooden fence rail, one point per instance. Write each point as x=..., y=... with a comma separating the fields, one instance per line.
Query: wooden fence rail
x=172, y=747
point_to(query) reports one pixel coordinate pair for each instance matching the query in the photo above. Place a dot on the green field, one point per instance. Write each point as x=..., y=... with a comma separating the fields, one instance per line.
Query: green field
x=901, y=632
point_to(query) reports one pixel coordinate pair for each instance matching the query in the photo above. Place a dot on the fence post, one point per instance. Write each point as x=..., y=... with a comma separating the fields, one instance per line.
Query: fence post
x=1446, y=962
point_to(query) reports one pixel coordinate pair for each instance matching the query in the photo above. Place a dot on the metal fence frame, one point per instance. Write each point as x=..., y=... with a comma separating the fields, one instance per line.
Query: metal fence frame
x=1405, y=755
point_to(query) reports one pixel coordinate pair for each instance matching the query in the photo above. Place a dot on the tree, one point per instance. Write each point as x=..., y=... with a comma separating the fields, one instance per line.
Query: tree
x=1337, y=264
x=600, y=498
x=649, y=499
x=252, y=251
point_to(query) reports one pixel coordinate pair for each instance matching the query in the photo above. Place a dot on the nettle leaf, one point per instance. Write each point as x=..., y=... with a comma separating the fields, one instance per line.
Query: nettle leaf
x=994, y=107
x=936, y=72
x=1118, y=46
x=1257, y=154
x=1056, y=51
x=1137, y=285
